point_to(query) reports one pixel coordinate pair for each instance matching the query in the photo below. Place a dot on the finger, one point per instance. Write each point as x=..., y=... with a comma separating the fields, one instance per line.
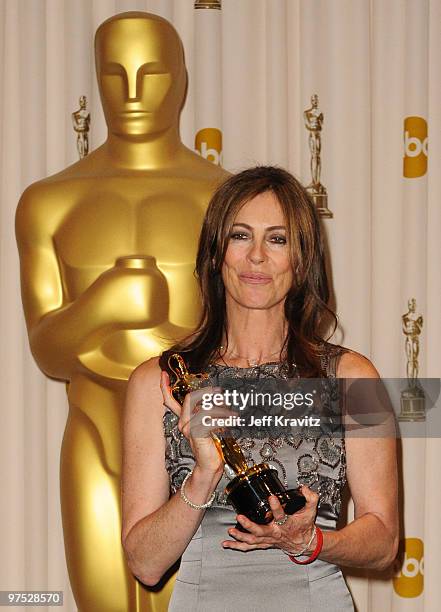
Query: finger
x=197, y=428
x=312, y=498
x=208, y=397
x=255, y=529
x=201, y=398
x=237, y=545
x=263, y=535
x=190, y=422
x=276, y=508
x=240, y=536
x=188, y=406
x=167, y=396
x=184, y=418
x=193, y=403
x=203, y=424
x=164, y=383
x=243, y=546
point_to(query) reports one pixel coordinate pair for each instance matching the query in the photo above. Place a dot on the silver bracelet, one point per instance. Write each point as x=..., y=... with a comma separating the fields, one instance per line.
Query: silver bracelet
x=299, y=554
x=190, y=503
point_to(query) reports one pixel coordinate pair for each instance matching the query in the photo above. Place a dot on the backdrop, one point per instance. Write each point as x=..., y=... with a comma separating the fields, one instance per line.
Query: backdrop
x=253, y=66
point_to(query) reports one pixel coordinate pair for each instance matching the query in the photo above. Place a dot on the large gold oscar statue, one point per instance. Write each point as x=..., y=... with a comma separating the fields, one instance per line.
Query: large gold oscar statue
x=107, y=251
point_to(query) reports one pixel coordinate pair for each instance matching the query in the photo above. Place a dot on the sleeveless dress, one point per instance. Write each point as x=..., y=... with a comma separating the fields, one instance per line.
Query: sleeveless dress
x=214, y=579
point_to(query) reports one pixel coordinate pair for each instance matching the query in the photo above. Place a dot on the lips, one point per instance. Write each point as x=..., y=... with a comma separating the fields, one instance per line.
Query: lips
x=254, y=278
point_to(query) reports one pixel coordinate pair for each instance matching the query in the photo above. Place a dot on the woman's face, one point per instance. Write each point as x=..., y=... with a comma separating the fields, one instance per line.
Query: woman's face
x=257, y=271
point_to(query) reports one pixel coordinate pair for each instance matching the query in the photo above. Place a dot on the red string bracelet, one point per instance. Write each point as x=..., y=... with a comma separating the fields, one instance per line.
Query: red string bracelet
x=316, y=551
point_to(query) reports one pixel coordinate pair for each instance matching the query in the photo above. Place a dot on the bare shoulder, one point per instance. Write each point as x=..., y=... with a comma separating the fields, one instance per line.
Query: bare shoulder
x=144, y=382
x=355, y=365
x=147, y=372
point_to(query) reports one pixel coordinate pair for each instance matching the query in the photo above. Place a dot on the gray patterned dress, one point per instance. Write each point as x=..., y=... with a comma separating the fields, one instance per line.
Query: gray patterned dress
x=214, y=579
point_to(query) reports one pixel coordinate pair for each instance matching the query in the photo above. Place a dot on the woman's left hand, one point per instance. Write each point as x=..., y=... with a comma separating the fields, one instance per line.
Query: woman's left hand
x=292, y=536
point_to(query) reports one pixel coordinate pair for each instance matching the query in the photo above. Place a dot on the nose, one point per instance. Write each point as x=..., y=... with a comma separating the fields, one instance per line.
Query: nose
x=256, y=253
x=132, y=82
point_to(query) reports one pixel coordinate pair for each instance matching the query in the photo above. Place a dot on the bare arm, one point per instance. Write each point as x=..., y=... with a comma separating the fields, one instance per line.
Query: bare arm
x=155, y=529
x=371, y=540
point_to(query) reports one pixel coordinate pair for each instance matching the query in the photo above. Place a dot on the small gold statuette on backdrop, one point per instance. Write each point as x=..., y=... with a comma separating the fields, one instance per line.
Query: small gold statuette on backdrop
x=412, y=397
x=249, y=486
x=208, y=4
x=81, y=125
x=313, y=123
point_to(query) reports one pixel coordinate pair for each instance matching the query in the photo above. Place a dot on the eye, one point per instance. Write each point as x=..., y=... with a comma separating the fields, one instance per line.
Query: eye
x=238, y=236
x=278, y=239
x=113, y=69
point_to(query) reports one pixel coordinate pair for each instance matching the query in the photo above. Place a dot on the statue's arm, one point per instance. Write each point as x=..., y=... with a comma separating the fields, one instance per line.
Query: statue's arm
x=60, y=330
x=306, y=120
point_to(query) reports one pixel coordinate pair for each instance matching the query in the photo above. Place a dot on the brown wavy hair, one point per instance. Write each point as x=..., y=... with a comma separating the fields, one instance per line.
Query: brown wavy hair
x=306, y=305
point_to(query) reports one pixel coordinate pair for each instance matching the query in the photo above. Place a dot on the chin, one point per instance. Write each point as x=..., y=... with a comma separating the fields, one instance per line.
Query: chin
x=261, y=302
x=136, y=129
x=256, y=304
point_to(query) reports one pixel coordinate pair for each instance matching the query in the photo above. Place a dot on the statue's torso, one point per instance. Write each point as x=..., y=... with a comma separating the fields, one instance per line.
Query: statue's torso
x=92, y=214
x=101, y=220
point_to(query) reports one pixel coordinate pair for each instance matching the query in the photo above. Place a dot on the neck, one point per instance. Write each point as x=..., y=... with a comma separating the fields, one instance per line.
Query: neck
x=255, y=335
x=147, y=152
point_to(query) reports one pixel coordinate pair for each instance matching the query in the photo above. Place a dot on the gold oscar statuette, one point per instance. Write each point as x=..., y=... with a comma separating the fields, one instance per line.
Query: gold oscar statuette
x=250, y=486
x=81, y=125
x=313, y=123
x=412, y=398
x=107, y=254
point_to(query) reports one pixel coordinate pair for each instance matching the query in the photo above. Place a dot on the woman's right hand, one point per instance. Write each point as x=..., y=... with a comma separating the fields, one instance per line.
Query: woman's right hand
x=205, y=452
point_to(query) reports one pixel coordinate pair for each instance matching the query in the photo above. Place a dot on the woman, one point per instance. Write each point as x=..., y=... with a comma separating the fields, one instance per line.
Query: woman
x=261, y=270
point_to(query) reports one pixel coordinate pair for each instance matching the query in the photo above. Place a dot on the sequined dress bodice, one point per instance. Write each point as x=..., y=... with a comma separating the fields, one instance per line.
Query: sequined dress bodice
x=309, y=457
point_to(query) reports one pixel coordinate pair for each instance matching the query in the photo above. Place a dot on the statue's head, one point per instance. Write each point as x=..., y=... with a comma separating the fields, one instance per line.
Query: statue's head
x=314, y=100
x=83, y=102
x=141, y=74
x=412, y=304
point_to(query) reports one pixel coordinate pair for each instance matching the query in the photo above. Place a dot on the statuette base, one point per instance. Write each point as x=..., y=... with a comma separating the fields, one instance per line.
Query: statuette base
x=321, y=203
x=412, y=405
